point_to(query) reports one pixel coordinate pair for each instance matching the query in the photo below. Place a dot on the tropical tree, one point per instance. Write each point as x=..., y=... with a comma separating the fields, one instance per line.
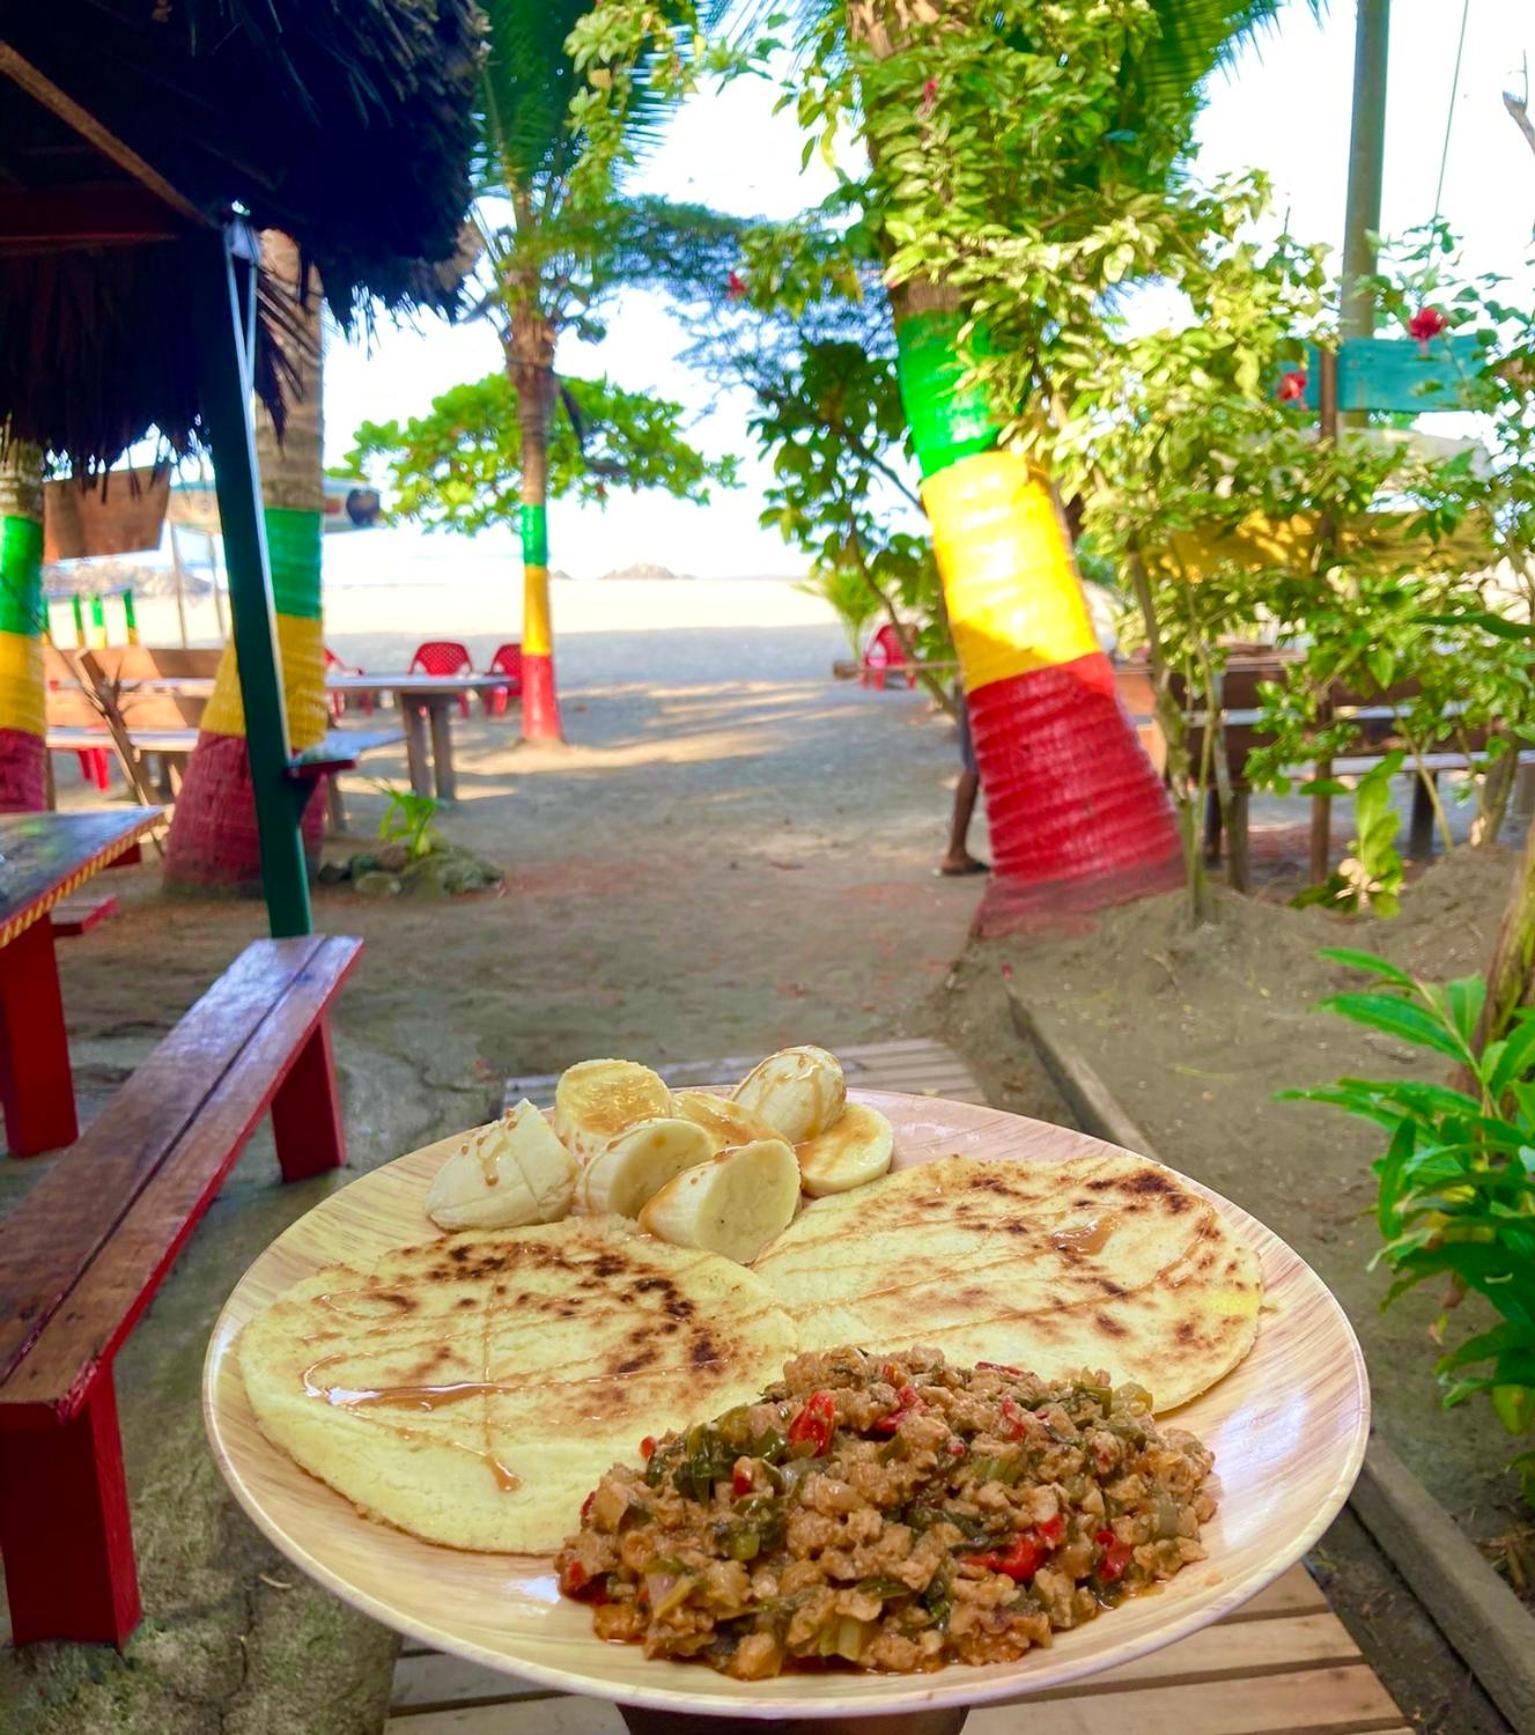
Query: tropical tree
x=23, y=754
x=555, y=240
x=1024, y=163
x=213, y=842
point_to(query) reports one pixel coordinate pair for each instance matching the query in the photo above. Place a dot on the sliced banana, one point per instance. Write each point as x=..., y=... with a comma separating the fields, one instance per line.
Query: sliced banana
x=855, y=1148
x=734, y=1204
x=598, y=1099
x=511, y=1172
x=799, y=1092
x=726, y=1122
x=630, y=1169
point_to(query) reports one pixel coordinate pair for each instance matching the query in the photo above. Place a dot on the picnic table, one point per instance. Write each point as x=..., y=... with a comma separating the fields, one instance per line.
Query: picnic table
x=425, y=702
x=46, y=856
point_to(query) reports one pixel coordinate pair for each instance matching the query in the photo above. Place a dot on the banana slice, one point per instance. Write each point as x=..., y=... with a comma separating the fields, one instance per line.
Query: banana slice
x=855, y=1148
x=726, y=1122
x=733, y=1205
x=628, y=1170
x=598, y=1099
x=511, y=1172
x=799, y=1092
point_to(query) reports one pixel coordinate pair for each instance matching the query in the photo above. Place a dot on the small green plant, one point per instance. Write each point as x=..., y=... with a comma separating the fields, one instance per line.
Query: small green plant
x=408, y=820
x=1457, y=1179
x=1370, y=877
x=853, y=599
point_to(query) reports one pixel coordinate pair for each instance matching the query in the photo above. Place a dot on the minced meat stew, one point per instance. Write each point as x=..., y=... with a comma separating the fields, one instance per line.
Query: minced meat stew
x=891, y=1511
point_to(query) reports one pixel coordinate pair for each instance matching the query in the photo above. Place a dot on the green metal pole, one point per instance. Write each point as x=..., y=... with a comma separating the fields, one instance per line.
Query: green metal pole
x=224, y=314
x=1366, y=161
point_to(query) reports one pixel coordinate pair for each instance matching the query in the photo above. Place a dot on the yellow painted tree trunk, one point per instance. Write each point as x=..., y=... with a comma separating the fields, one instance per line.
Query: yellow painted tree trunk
x=213, y=841
x=23, y=752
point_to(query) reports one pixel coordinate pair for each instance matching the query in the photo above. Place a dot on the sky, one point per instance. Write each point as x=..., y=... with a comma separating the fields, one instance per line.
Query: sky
x=1283, y=108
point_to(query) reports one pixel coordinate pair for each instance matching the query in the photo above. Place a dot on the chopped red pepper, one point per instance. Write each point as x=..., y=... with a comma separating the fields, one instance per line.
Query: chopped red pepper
x=1020, y=1562
x=575, y=1578
x=1000, y=1367
x=1012, y=1414
x=648, y=1447
x=908, y=1402
x=1116, y=1556
x=957, y=1448
x=1052, y=1530
x=586, y=1505
x=816, y=1423
x=740, y=1482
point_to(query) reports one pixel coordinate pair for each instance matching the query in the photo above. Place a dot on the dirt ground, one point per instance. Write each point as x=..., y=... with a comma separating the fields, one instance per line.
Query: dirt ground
x=1194, y=1030
x=734, y=853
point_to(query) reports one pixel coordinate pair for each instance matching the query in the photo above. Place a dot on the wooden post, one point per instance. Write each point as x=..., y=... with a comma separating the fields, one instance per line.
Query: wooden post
x=36, y=1086
x=1366, y=161
x=306, y=1111
x=1420, y=830
x=65, y=1530
x=224, y=309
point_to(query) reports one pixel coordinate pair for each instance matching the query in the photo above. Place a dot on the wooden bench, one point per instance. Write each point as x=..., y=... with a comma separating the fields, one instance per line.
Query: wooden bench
x=84, y=1252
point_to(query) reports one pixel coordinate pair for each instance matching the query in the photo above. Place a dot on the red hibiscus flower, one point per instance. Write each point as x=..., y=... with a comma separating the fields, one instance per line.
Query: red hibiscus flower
x=1292, y=388
x=735, y=287
x=929, y=96
x=1426, y=323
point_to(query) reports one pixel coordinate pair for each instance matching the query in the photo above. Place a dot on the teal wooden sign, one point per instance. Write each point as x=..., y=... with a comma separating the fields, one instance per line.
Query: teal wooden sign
x=1398, y=373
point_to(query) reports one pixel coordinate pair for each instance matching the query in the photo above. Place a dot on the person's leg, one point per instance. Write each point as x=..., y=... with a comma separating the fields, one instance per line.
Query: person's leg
x=959, y=859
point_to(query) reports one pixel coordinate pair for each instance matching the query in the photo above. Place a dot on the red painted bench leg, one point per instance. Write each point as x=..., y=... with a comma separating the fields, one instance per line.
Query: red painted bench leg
x=306, y=1112
x=64, y=1529
x=35, y=1084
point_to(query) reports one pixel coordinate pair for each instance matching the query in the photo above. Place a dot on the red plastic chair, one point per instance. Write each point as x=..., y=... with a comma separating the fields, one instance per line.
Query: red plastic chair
x=885, y=657
x=507, y=661
x=337, y=701
x=444, y=657
x=95, y=766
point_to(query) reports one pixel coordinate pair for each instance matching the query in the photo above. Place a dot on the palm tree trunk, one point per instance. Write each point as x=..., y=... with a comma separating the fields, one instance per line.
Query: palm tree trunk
x=214, y=843
x=530, y=361
x=1078, y=817
x=23, y=750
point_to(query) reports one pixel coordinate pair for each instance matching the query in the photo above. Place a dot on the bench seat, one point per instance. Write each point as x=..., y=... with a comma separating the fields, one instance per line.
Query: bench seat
x=84, y=1252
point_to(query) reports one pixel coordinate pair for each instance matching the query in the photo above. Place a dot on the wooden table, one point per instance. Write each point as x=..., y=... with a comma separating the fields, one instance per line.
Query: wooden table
x=425, y=703
x=46, y=857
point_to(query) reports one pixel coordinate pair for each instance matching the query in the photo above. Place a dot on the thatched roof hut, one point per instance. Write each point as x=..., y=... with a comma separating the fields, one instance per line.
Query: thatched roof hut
x=129, y=127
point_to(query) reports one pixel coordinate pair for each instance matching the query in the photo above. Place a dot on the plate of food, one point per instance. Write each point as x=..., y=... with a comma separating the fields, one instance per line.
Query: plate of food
x=781, y=1401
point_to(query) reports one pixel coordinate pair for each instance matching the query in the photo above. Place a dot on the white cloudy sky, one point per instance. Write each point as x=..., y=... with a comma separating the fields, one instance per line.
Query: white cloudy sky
x=1284, y=109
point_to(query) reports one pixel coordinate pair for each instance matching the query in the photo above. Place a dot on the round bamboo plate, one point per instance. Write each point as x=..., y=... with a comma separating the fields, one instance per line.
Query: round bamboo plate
x=1288, y=1429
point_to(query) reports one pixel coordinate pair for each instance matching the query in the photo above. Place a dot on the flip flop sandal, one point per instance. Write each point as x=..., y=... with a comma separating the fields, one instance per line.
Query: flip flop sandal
x=960, y=873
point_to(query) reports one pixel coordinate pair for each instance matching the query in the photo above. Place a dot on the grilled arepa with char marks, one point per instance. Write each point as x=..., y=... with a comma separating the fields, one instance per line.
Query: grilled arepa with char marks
x=473, y=1389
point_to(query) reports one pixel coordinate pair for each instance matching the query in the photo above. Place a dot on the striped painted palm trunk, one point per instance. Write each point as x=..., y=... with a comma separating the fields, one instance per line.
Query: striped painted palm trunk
x=23, y=752
x=540, y=698
x=1078, y=817
x=214, y=844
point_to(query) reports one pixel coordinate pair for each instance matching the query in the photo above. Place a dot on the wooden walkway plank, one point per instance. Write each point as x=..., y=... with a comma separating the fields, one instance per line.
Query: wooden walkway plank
x=1346, y=1700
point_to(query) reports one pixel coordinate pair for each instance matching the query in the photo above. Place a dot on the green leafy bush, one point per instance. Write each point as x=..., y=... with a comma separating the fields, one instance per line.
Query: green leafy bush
x=408, y=820
x=1457, y=1179
x=1369, y=878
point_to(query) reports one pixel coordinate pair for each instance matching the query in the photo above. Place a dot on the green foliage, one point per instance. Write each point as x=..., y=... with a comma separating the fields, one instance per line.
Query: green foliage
x=1368, y=879
x=851, y=596
x=408, y=820
x=832, y=419
x=1457, y=1178
x=460, y=464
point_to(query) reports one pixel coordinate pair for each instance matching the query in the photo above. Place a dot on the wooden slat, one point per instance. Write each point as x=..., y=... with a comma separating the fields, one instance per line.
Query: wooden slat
x=916, y=1064
x=1340, y=1701
x=1249, y=1650
x=61, y=1225
x=113, y=1290
x=1293, y=1592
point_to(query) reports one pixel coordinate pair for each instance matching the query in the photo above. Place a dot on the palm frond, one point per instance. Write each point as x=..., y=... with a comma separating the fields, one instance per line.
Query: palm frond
x=1198, y=37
